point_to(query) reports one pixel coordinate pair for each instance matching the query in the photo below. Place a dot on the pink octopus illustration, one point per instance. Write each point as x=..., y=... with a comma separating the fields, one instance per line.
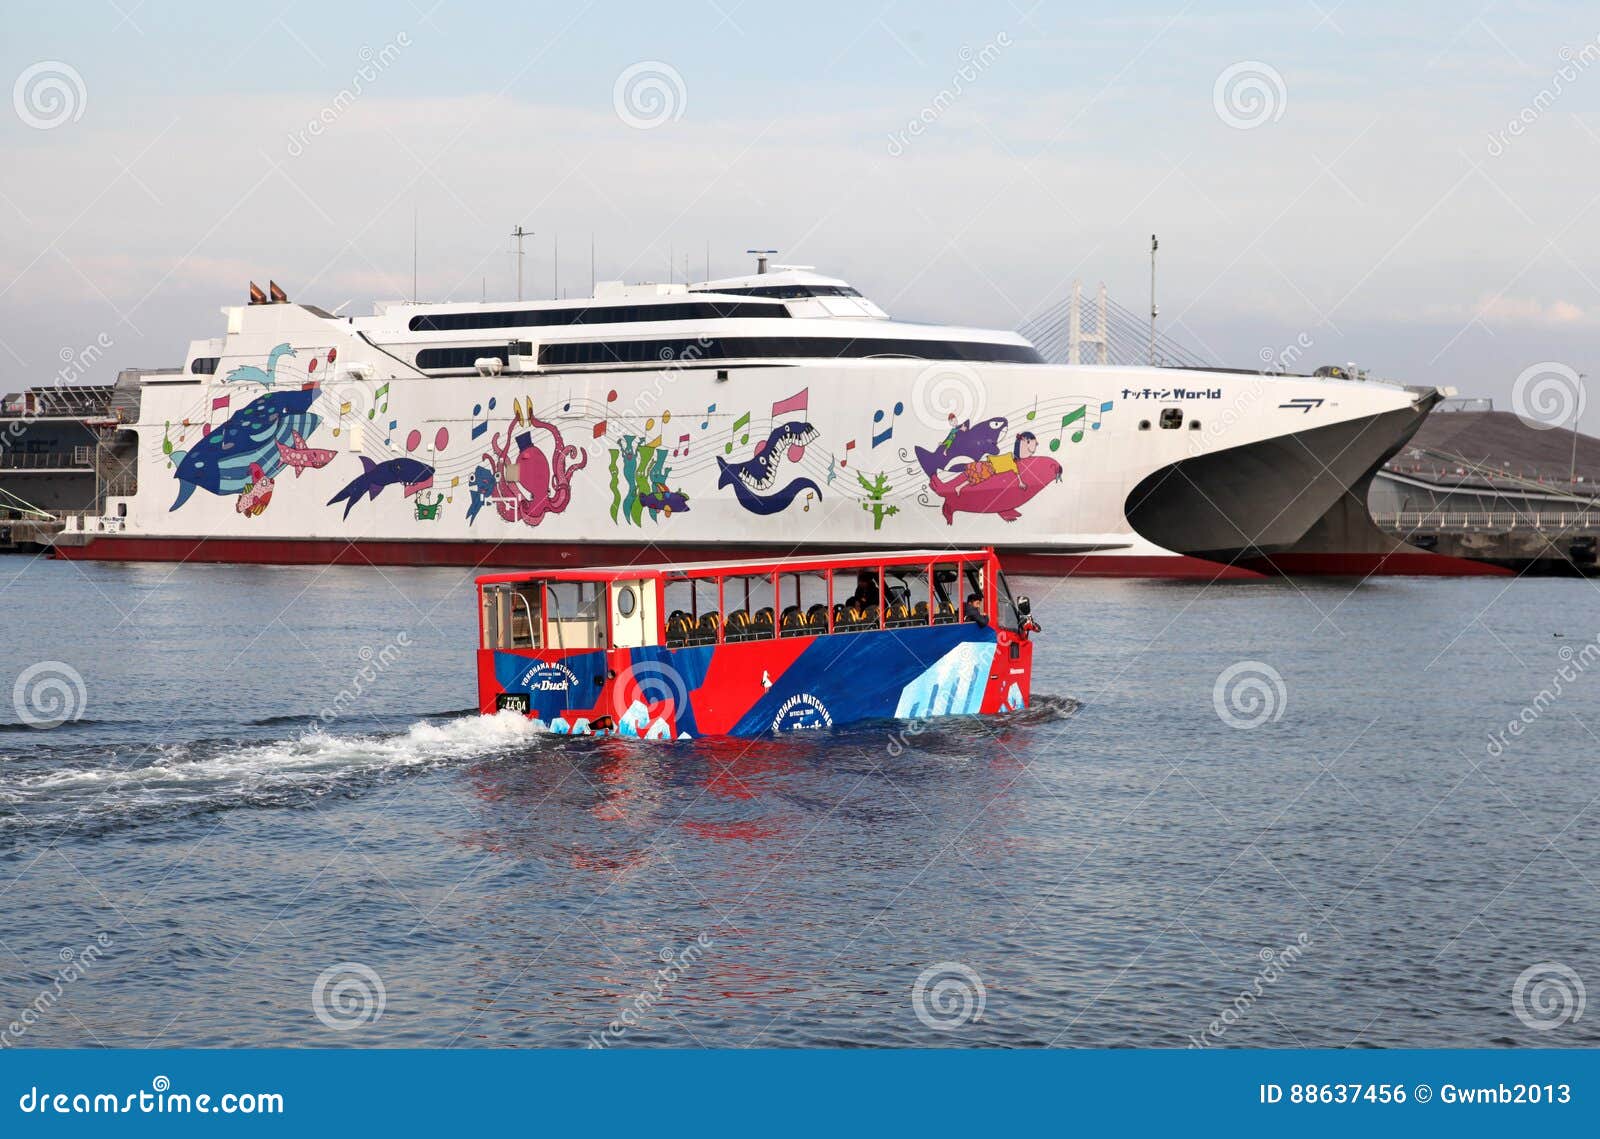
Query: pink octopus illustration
x=525, y=487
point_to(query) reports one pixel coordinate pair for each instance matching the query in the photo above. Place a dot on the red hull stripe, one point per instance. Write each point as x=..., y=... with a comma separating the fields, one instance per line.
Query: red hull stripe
x=564, y=555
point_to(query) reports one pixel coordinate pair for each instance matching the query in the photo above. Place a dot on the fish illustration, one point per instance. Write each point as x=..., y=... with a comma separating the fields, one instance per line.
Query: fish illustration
x=267, y=376
x=256, y=494
x=664, y=500
x=759, y=473
x=409, y=473
x=963, y=445
x=299, y=456
x=481, y=485
x=221, y=461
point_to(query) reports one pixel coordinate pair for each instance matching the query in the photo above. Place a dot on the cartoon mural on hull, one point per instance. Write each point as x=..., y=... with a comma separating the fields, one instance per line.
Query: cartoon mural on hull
x=529, y=485
x=302, y=458
x=639, y=475
x=759, y=474
x=971, y=471
x=256, y=494
x=221, y=462
x=409, y=473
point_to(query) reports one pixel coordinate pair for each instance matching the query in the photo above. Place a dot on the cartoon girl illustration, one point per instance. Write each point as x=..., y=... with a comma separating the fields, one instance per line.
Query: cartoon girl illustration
x=1024, y=446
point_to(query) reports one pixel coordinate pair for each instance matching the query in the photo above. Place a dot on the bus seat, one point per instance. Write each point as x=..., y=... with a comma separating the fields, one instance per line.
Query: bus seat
x=793, y=622
x=817, y=618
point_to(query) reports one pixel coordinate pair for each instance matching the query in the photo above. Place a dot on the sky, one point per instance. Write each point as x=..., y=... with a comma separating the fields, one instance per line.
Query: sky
x=1341, y=177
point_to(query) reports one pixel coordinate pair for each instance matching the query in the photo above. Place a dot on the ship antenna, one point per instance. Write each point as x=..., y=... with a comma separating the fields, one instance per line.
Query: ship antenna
x=761, y=258
x=555, y=267
x=519, y=233
x=1154, y=245
x=413, y=254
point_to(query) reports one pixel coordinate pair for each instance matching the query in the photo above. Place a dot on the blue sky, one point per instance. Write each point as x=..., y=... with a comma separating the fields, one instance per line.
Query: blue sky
x=1361, y=201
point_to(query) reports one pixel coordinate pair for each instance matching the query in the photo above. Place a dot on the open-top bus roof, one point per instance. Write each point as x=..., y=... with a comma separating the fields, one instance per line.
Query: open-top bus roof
x=749, y=565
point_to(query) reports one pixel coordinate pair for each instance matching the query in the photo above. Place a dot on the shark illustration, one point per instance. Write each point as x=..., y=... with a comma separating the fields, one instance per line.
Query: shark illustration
x=759, y=473
x=299, y=456
x=964, y=444
x=221, y=461
x=267, y=376
x=410, y=473
x=664, y=500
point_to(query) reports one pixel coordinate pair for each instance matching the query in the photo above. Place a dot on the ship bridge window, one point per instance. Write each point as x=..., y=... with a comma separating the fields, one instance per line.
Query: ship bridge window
x=434, y=359
x=773, y=347
x=1171, y=418
x=204, y=365
x=787, y=292
x=513, y=616
x=594, y=314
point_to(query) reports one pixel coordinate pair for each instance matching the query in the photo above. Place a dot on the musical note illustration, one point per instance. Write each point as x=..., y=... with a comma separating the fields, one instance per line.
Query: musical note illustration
x=832, y=462
x=383, y=391
x=878, y=417
x=848, y=447
x=809, y=496
x=455, y=481
x=683, y=446
x=705, y=424
x=344, y=410
x=1073, y=416
x=1035, y=410
x=743, y=422
x=1104, y=407
x=388, y=437
x=480, y=422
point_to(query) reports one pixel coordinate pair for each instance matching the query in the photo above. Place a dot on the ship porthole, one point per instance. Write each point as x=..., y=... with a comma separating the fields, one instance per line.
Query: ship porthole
x=626, y=602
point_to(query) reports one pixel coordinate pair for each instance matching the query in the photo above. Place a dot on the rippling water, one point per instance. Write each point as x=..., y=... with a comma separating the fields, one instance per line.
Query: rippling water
x=1244, y=814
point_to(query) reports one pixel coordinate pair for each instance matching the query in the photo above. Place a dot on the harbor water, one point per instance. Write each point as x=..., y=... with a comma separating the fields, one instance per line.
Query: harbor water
x=1319, y=813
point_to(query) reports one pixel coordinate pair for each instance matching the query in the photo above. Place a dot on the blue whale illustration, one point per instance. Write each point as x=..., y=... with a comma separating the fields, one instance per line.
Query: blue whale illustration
x=759, y=473
x=221, y=461
x=375, y=476
x=964, y=445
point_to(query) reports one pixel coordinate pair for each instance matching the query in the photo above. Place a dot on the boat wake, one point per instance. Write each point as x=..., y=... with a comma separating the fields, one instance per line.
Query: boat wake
x=84, y=789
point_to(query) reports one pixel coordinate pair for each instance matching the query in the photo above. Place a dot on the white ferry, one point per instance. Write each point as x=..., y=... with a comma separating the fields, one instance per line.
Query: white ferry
x=776, y=413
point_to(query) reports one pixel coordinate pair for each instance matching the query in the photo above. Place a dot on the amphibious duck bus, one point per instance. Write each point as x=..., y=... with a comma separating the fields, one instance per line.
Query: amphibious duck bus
x=749, y=648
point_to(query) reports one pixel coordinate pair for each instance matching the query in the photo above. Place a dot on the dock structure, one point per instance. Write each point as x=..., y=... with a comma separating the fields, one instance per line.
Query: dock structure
x=1486, y=485
x=63, y=449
